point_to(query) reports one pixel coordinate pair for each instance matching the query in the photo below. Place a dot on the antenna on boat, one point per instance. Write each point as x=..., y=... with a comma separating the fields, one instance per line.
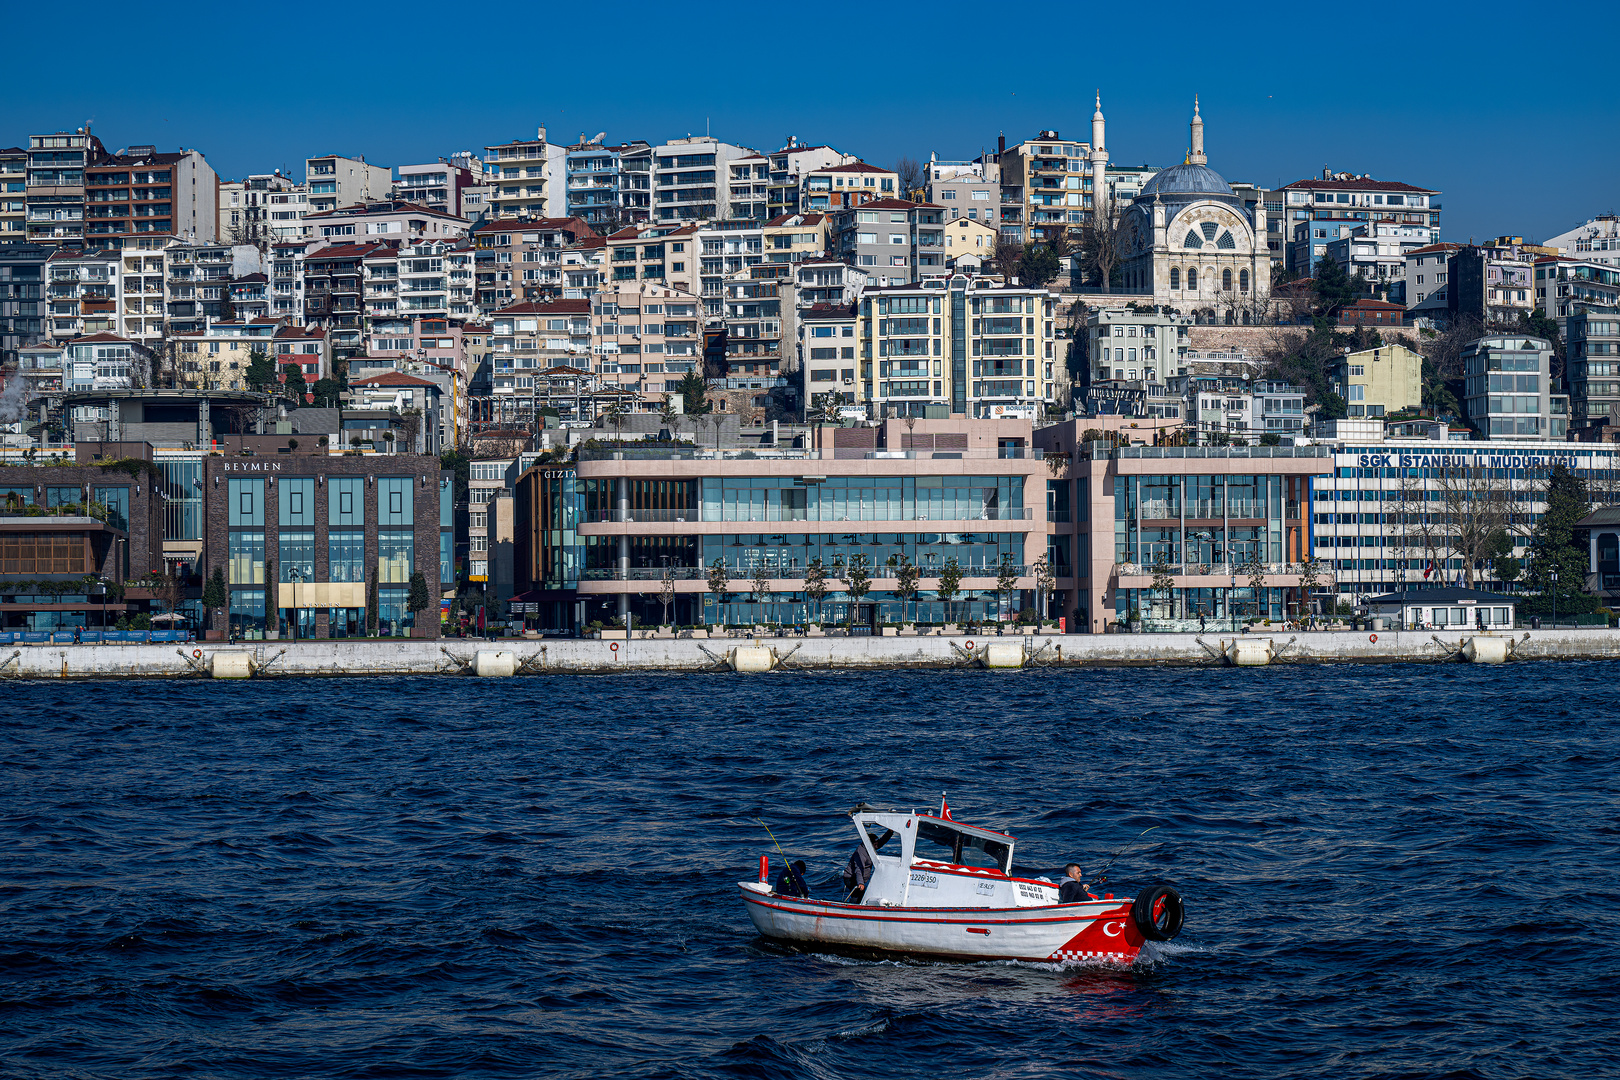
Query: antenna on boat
x=1102, y=874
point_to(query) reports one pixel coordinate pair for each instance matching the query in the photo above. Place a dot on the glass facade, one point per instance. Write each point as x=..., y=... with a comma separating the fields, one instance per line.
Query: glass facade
x=395, y=555
x=116, y=502
x=183, y=500
x=297, y=554
x=886, y=498
x=1212, y=520
x=346, y=555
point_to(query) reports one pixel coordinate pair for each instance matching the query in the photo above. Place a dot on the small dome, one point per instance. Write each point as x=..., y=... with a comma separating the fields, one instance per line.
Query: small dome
x=1187, y=179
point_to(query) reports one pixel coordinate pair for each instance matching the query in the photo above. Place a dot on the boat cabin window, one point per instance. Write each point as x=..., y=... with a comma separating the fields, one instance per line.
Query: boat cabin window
x=944, y=844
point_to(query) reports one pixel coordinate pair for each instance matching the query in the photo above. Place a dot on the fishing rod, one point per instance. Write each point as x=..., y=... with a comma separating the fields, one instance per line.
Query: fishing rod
x=789, y=862
x=1102, y=875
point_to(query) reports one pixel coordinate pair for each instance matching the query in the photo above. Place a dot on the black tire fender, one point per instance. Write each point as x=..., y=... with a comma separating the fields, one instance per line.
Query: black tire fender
x=1158, y=912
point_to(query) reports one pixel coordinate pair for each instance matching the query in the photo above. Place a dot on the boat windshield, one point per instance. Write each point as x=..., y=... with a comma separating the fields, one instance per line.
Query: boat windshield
x=944, y=844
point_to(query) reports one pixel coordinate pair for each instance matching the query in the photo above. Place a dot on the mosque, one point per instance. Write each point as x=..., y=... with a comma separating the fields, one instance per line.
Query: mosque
x=1187, y=241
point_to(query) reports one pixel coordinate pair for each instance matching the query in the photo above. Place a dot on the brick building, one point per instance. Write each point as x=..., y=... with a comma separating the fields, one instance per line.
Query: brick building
x=327, y=546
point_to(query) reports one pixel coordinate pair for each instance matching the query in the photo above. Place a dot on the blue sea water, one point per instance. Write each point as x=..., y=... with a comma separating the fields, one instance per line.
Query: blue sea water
x=1389, y=871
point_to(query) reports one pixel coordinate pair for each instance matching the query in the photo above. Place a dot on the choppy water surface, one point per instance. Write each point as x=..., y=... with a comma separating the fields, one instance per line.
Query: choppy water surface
x=1389, y=871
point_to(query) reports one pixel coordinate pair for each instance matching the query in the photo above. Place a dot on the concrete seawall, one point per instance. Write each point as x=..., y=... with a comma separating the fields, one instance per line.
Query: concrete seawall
x=562, y=656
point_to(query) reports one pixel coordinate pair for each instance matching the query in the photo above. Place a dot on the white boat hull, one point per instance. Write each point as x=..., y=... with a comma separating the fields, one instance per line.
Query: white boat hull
x=1096, y=930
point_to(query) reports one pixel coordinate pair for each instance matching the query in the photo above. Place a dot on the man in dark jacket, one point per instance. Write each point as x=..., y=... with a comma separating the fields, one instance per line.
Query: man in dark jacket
x=791, y=882
x=1073, y=890
x=858, y=871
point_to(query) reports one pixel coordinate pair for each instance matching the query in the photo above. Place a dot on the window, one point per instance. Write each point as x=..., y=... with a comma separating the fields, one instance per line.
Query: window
x=346, y=555
x=1175, y=278
x=297, y=553
x=394, y=555
x=1192, y=278
x=346, y=501
x=394, y=501
x=246, y=557
x=1226, y=280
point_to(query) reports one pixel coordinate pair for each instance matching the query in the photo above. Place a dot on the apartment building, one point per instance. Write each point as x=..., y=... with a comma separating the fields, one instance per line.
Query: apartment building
x=218, y=357
x=1379, y=382
x=584, y=268
x=761, y=332
x=1341, y=197
x=82, y=293
x=103, y=361
x=1377, y=250
x=1046, y=187
x=1597, y=241
x=794, y=238
x=724, y=250
x=1491, y=284
x=440, y=185
x=645, y=338
x=894, y=241
x=13, y=195
x=398, y=221
x=692, y=179
x=839, y=187
x=524, y=175
x=142, y=291
x=285, y=212
x=528, y=339
x=1136, y=361
x=1564, y=285
x=829, y=281
x=245, y=208
x=658, y=252
x=1509, y=390
x=285, y=267
x=198, y=276
x=973, y=346
x=338, y=285
x=55, y=200
x=609, y=186
x=1428, y=270
x=145, y=192
x=826, y=347
x=1593, y=363
x=969, y=242
x=966, y=189
x=22, y=297
x=337, y=181
x=789, y=168
x=306, y=346
x=750, y=179
x=520, y=260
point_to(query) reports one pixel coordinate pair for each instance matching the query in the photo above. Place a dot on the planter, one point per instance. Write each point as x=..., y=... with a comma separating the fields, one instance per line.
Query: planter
x=949, y=628
x=814, y=631
x=696, y=635
x=272, y=635
x=663, y=632
x=612, y=635
x=889, y=631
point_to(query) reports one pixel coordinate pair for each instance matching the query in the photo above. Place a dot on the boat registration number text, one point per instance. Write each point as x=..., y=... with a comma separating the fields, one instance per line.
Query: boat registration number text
x=927, y=881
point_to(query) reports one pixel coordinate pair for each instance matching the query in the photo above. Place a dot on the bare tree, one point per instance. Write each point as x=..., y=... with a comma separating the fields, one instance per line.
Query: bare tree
x=1008, y=255
x=912, y=176
x=1473, y=506
x=1444, y=348
x=1103, y=240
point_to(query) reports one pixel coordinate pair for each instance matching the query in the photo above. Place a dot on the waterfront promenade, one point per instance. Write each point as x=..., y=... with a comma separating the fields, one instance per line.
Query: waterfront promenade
x=456, y=657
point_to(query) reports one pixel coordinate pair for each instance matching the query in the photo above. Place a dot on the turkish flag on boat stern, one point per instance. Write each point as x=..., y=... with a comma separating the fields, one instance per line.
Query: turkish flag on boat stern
x=944, y=809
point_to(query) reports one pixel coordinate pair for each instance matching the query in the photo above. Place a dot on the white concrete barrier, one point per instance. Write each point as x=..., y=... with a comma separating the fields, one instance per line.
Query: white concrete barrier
x=231, y=665
x=1003, y=654
x=494, y=664
x=1485, y=650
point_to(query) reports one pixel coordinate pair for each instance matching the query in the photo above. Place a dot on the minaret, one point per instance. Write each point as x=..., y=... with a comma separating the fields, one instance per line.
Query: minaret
x=1099, y=161
x=1197, y=156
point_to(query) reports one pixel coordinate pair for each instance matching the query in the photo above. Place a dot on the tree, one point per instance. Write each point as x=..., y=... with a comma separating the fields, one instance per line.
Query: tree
x=615, y=415
x=327, y=393
x=1538, y=325
x=410, y=426
x=260, y=373
x=857, y=582
x=761, y=585
x=1270, y=439
x=1333, y=287
x=1256, y=571
x=1310, y=575
x=1038, y=266
x=668, y=415
x=912, y=176
x=666, y=592
x=1557, y=545
x=815, y=583
x=906, y=577
x=418, y=600
x=1007, y=577
x=695, y=394
x=1503, y=564
x=1102, y=243
x=1008, y=255
x=1045, y=582
x=1164, y=583
x=1473, y=506
x=719, y=583
x=459, y=465
x=296, y=387
x=215, y=594
x=950, y=583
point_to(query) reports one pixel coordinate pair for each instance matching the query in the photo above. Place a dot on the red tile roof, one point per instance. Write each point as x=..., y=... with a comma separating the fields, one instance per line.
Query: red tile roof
x=1434, y=248
x=854, y=167
x=548, y=307
x=393, y=378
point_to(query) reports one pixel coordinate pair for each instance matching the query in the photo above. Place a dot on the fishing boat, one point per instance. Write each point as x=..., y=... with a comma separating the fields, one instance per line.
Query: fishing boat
x=946, y=890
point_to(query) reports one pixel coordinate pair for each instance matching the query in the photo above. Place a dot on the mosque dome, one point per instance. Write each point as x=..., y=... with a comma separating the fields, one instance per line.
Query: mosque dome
x=1187, y=179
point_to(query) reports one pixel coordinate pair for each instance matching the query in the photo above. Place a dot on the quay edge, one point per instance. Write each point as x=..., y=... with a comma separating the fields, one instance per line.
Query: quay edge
x=455, y=657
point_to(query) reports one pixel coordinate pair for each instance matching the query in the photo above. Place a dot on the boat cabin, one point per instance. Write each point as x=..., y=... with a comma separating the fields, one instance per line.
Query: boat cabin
x=931, y=861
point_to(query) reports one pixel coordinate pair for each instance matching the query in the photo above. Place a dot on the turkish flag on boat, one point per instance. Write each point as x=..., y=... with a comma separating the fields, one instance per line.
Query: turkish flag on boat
x=944, y=809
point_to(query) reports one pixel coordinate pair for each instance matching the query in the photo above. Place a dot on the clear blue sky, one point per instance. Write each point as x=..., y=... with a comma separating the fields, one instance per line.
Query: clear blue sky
x=1496, y=105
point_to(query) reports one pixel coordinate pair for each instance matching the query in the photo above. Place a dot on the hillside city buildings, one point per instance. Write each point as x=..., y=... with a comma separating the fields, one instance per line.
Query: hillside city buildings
x=915, y=350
